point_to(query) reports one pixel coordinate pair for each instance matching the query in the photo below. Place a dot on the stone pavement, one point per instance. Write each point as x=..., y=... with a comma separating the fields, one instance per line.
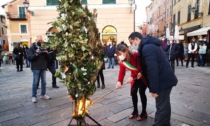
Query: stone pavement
x=189, y=99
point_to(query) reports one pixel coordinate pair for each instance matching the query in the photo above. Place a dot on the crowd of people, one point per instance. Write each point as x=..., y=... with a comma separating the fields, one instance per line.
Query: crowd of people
x=149, y=60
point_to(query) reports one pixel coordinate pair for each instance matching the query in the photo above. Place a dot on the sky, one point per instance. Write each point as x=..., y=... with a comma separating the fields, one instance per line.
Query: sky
x=140, y=11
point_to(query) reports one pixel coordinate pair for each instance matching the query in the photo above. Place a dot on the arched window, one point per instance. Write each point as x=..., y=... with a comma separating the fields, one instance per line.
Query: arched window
x=109, y=34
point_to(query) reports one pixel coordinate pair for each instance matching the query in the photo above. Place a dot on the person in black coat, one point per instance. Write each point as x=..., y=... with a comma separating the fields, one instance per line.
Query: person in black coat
x=25, y=52
x=109, y=52
x=159, y=74
x=180, y=54
x=18, y=54
x=171, y=53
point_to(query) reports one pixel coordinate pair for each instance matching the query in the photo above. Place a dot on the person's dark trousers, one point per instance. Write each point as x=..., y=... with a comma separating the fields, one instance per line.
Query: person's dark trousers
x=190, y=55
x=100, y=74
x=19, y=64
x=198, y=59
x=139, y=85
x=51, y=68
x=177, y=60
x=172, y=62
x=163, y=106
x=204, y=59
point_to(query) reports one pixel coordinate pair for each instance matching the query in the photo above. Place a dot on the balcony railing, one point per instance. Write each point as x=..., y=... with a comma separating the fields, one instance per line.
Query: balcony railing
x=16, y=16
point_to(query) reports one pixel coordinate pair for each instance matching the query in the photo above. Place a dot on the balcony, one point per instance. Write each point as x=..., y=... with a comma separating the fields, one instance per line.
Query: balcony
x=16, y=16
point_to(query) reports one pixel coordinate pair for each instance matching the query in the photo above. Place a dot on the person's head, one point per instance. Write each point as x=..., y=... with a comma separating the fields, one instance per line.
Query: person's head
x=135, y=38
x=193, y=40
x=200, y=37
x=204, y=39
x=123, y=53
x=18, y=45
x=171, y=39
x=24, y=46
x=39, y=39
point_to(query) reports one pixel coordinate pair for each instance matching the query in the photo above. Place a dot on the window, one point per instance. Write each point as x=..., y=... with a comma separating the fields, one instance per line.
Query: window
x=109, y=1
x=189, y=13
x=174, y=2
x=4, y=42
x=84, y=1
x=2, y=30
x=22, y=12
x=209, y=8
x=178, y=21
x=52, y=2
x=174, y=19
x=23, y=29
x=197, y=9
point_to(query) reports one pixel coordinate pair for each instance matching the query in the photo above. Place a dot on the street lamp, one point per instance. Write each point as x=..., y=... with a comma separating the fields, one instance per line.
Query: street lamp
x=26, y=5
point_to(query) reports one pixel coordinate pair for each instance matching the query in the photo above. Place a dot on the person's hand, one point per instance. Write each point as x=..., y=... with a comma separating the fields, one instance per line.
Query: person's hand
x=118, y=85
x=130, y=79
x=155, y=95
x=139, y=75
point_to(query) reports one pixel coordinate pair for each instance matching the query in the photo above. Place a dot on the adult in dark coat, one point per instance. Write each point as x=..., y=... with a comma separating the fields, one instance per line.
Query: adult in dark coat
x=171, y=53
x=180, y=54
x=109, y=52
x=159, y=74
x=18, y=54
x=25, y=52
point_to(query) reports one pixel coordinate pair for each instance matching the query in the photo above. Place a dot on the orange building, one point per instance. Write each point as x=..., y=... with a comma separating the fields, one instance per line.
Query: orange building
x=17, y=22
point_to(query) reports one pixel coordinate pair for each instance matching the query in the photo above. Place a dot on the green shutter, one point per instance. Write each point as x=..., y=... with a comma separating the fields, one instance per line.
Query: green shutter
x=49, y=2
x=52, y=2
x=109, y=1
x=84, y=1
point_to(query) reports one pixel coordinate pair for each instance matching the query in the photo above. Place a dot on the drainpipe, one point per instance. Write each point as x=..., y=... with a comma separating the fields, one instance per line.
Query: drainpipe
x=134, y=17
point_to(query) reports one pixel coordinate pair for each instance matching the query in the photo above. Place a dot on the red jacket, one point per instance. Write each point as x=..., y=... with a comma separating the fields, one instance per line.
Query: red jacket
x=134, y=60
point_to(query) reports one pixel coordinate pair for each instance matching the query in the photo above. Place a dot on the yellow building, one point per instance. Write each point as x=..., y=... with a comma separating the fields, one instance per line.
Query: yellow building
x=115, y=19
x=191, y=15
x=3, y=33
x=17, y=22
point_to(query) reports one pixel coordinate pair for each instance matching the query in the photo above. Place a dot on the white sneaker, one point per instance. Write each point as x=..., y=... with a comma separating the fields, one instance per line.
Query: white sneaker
x=34, y=100
x=46, y=97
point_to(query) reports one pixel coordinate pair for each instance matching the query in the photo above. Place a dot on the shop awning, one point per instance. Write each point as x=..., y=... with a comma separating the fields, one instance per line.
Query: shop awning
x=202, y=31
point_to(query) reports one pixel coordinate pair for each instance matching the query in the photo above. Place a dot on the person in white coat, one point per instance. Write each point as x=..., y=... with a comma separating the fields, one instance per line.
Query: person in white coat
x=192, y=52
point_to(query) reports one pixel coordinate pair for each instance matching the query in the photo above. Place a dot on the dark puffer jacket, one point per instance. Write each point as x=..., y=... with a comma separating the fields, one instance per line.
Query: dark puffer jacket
x=155, y=65
x=38, y=60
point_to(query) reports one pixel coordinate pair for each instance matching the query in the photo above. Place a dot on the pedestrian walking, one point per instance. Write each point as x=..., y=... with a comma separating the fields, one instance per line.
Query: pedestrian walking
x=110, y=52
x=159, y=74
x=18, y=54
x=171, y=53
x=101, y=74
x=192, y=52
x=180, y=55
x=25, y=52
x=38, y=57
x=129, y=60
x=51, y=66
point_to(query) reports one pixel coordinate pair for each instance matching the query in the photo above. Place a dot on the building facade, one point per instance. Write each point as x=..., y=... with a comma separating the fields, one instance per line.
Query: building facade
x=17, y=22
x=159, y=17
x=3, y=33
x=191, y=15
x=115, y=19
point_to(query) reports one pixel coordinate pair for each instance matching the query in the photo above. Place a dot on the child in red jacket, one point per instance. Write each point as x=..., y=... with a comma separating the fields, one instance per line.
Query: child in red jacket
x=129, y=60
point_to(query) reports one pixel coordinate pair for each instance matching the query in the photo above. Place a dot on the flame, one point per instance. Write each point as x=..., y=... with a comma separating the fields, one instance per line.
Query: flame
x=81, y=107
